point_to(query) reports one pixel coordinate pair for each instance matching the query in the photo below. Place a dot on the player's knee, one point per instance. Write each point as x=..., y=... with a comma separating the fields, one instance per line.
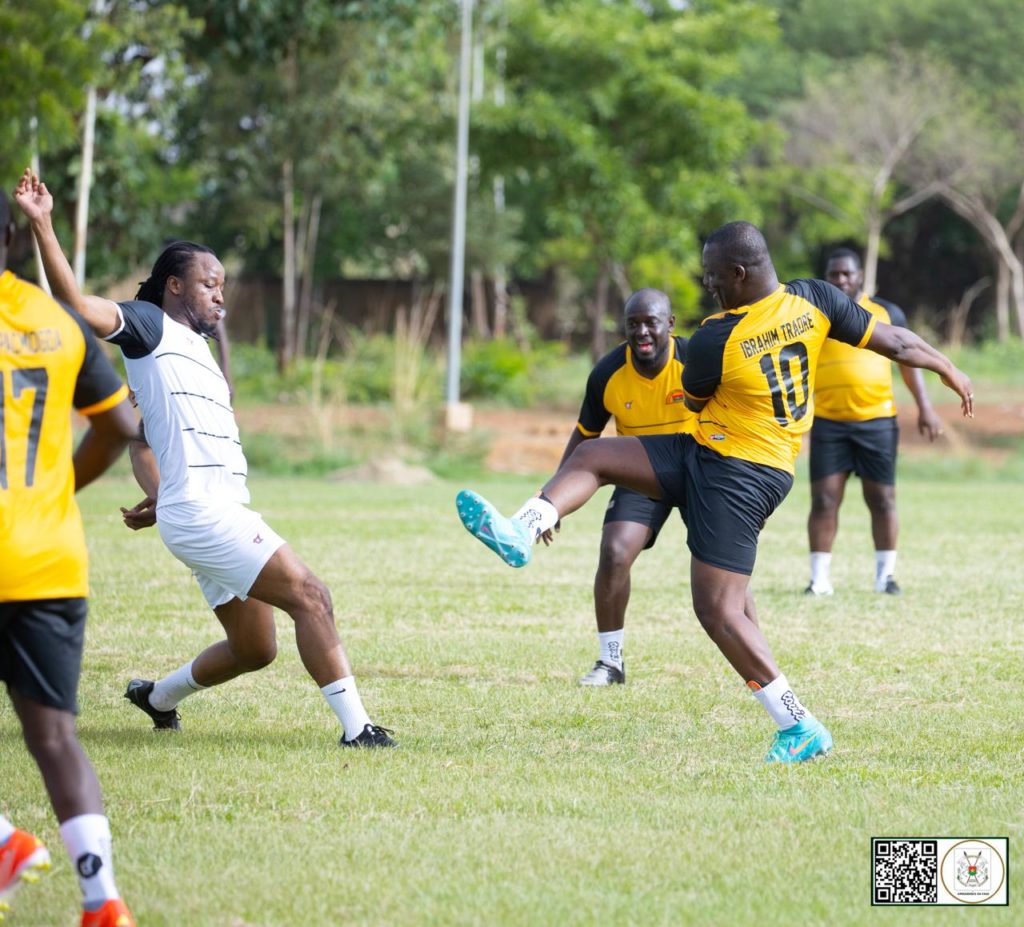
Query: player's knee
x=882, y=504
x=616, y=556
x=256, y=655
x=710, y=618
x=317, y=595
x=587, y=458
x=824, y=502
x=50, y=743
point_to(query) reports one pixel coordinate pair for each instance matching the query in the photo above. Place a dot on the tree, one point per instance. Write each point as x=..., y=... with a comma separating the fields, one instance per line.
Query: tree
x=613, y=139
x=974, y=159
x=848, y=136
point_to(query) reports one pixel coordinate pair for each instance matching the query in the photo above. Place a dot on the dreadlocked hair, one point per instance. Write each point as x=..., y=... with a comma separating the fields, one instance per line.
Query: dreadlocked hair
x=174, y=261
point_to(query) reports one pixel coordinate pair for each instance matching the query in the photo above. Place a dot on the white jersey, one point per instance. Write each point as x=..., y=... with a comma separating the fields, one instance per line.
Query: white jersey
x=186, y=407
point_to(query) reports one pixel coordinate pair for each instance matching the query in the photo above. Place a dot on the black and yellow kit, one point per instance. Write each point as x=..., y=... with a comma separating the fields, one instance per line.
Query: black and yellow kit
x=854, y=385
x=855, y=428
x=756, y=365
x=640, y=406
x=49, y=364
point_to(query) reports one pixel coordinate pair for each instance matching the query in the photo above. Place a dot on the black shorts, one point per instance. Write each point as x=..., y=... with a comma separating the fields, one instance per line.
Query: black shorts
x=41, y=649
x=865, y=448
x=628, y=505
x=725, y=501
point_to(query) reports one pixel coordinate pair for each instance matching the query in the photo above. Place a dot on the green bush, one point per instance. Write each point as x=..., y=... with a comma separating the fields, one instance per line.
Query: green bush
x=501, y=371
x=997, y=362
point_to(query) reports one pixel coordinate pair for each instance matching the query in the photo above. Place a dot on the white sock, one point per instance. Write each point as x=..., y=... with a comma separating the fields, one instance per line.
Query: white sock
x=820, y=564
x=885, y=566
x=343, y=697
x=174, y=687
x=6, y=829
x=611, y=647
x=87, y=838
x=781, y=703
x=538, y=515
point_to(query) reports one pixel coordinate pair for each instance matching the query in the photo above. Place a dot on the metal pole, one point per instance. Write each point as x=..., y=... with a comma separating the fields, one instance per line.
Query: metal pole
x=458, y=257
x=84, y=186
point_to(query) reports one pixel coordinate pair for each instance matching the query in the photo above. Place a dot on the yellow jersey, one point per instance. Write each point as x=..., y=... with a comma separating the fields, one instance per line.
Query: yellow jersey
x=49, y=363
x=854, y=385
x=755, y=366
x=640, y=406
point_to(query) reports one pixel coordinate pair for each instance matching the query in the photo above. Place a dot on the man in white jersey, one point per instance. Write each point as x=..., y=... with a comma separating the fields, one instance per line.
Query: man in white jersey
x=192, y=464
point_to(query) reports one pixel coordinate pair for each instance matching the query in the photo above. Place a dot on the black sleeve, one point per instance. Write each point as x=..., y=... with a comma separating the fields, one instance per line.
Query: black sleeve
x=848, y=322
x=681, y=344
x=97, y=379
x=896, y=315
x=594, y=414
x=143, y=328
x=703, y=370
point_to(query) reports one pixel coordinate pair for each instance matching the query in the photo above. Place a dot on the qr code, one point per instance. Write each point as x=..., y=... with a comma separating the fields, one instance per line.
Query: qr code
x=906, y=871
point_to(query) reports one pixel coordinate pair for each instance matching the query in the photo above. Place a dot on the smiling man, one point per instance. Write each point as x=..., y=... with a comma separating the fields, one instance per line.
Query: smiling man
x=639, y=385
x=191, y=466
x=749, y=375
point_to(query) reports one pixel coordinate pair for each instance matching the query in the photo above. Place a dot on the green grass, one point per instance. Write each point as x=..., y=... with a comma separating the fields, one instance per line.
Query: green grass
x=516, y=797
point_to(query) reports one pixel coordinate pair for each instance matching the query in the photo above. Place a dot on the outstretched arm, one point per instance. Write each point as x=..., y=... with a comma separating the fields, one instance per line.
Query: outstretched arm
x=928, y=422
x=904, y=347
x=36, y=202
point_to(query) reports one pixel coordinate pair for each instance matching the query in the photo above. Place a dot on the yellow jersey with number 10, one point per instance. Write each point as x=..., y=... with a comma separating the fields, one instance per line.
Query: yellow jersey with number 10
x=755, y=366
x=49, y=364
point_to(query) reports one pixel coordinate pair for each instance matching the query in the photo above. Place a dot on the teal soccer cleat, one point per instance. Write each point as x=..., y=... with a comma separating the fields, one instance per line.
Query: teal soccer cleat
x=508, y=538
x=805, y=741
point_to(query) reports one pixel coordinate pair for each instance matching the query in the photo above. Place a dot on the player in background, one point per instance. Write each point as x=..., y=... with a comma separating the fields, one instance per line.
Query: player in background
x=50, y=363
x=749, y=375
x=855, y=430
x=191, y=462
x=639, y=384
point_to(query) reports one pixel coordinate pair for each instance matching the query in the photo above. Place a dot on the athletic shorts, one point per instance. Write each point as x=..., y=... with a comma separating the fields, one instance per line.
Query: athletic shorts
x=865, y=448
x=225, y=544
x=725, y=501
x=627, y=505
x=41, y=649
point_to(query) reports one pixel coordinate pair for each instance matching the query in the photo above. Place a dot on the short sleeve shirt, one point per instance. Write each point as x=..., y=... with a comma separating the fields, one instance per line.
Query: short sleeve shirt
x=755, y=366
x=640, y=406
x=854, y=385
x=50, y=363
x=185, y=404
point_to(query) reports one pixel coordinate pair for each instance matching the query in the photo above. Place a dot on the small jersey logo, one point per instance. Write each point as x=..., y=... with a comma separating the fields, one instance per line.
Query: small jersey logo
x=717, y=436
x=257, y=539
x=677, y=395
x=629, y=405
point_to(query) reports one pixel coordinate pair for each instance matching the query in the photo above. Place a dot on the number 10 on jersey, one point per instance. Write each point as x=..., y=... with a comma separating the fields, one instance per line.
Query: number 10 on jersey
x=778, y=370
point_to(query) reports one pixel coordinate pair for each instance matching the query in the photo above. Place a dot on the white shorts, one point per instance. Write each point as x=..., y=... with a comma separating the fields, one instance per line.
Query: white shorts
x=225, y=544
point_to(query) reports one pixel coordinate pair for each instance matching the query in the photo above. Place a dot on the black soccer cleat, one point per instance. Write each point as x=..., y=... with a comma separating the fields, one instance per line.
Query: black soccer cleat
x=605, y=674
x=891, y=587
x=371, y=737
x=138, y=694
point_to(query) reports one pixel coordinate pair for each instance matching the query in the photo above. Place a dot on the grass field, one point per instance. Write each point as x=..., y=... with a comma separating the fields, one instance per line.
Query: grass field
x=516, y=797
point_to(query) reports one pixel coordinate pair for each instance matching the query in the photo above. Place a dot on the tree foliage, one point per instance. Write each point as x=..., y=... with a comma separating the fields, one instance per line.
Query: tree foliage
x=311, y=139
